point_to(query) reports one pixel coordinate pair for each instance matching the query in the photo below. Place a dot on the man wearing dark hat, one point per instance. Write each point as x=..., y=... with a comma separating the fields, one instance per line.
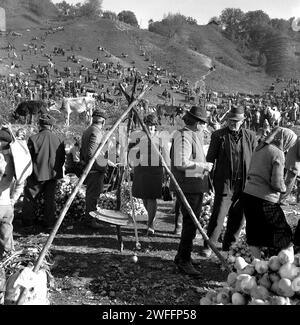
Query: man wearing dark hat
x=90, y=142
x=48, y=157
x=10, y=190
x=230, y=151
x=189, y=166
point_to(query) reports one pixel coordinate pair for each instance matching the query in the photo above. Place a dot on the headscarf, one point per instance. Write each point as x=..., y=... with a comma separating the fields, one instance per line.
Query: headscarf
x=282, y=138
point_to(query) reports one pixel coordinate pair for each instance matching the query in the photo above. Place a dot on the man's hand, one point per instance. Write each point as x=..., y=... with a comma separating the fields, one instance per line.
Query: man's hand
x=208, y=166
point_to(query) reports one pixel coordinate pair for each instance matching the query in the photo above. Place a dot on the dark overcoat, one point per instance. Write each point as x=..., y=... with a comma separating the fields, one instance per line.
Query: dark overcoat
x=48, y=155
x=219, y=153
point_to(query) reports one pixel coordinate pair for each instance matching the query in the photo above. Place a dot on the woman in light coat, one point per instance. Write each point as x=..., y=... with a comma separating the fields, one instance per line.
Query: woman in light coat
x=266, y=225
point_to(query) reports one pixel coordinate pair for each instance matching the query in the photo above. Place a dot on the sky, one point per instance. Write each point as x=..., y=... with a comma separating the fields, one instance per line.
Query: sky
x=201, y=10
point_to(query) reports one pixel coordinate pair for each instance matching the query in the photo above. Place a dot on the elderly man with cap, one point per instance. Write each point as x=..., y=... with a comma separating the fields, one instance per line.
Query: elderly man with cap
x=230, y=151
x=190, y=169
x=90, y=142
x=48, y=157
x=10, y=190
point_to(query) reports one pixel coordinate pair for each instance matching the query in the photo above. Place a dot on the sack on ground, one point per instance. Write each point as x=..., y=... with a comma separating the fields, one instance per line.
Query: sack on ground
x=36, y=283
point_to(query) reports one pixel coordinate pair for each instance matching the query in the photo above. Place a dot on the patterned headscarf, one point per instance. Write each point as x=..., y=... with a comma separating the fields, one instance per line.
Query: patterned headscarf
x=282, y=138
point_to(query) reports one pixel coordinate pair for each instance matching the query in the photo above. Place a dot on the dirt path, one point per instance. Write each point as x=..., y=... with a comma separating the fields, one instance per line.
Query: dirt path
x=89, y=269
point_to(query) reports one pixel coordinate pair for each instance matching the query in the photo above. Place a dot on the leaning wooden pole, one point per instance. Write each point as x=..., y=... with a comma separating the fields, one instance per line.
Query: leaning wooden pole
x=183, y=198
x=76, y=189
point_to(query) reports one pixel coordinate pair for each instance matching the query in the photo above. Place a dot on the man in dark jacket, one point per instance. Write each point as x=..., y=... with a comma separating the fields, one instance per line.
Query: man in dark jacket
x=230, y=151
x=189, y=166
x=90, y=142
x=48, y=157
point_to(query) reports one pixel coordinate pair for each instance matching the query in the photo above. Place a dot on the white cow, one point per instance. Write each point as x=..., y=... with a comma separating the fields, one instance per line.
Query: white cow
x=275, y=115
x=78, y=105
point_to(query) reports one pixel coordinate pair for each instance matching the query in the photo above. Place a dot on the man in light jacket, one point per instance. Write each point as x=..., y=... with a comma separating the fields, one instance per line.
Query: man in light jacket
x=190, y=169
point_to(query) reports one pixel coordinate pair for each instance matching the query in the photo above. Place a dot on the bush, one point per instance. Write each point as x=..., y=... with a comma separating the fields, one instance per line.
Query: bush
x=110, y=15
x=128, y=17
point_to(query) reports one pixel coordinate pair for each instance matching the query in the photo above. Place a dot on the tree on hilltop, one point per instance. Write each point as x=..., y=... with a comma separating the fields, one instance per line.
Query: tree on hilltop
x=255, y=18
x=128, y=17
x=231, y=19
x=280, y=24
x=171, y=25
x=91, y=8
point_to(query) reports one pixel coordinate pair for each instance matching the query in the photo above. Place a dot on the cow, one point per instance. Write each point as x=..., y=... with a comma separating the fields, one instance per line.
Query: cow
x=274, y=116
x=30, y=109
x=170, y=111
x=78, y=105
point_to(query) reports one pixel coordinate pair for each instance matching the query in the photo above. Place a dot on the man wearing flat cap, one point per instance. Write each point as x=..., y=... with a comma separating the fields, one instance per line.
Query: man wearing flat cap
x=230, y=151
x=48, y=157
x=190, y=169
x=94, y=181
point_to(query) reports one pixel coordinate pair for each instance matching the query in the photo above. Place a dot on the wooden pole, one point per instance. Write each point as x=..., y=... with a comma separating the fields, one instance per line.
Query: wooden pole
x=183, y=198
x=76, y=189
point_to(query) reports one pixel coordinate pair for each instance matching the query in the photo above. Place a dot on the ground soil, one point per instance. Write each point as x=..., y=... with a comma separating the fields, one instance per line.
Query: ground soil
x=89, y=268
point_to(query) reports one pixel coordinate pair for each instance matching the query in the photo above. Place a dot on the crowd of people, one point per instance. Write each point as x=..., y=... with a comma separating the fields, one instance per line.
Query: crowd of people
x=251, y=163
x=250, y=180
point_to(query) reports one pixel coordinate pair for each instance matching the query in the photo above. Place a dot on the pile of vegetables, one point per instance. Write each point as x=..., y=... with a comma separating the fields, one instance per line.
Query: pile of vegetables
x=108, y=200
x=126, y=205
x=206, y=210
x=240, y=249
x=64, y=189
x=207, y=206
x=76, y=211
x=275, y=281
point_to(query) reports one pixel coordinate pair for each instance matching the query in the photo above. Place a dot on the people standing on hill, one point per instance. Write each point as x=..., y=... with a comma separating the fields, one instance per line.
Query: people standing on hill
x=266, y=225
x=190, y=169
x=230, y=151
x=48, y=157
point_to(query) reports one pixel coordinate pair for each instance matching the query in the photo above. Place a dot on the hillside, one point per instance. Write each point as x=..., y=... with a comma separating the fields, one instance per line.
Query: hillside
x=22, y=14
x=188, y=56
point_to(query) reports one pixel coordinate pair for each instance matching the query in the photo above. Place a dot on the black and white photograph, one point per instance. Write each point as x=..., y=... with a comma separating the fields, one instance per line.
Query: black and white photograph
x=149, y=155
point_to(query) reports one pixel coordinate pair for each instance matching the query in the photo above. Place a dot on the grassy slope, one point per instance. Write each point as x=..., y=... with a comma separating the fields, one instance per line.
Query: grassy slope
x=187, y=56
x=19, y=16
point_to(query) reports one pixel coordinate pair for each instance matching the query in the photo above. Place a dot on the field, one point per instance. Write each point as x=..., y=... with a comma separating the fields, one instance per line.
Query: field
x=86, y=264
x=89, y=269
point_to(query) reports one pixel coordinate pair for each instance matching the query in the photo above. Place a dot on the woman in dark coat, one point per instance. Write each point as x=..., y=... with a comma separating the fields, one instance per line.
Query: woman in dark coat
x=148, y=170
x=266, y=225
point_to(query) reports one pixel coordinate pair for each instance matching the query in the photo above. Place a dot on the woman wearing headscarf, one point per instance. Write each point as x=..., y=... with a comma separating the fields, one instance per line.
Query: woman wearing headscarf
x=266, y=225
x=148, y=170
